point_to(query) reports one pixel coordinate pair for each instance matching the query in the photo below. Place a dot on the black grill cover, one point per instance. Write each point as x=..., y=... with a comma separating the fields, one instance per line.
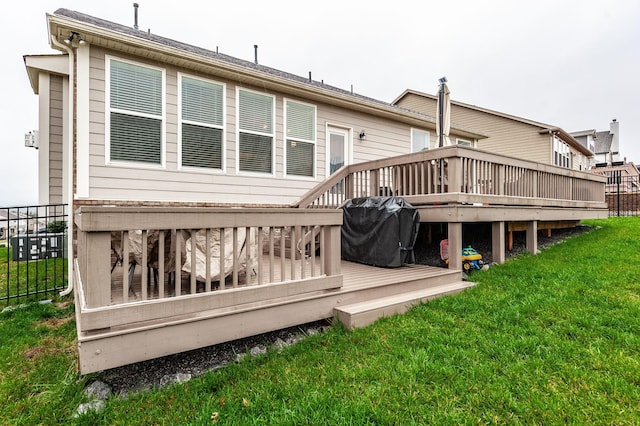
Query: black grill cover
x=379, y=231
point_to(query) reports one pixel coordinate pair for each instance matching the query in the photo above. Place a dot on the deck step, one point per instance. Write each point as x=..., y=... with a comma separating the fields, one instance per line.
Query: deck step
x=364, y=313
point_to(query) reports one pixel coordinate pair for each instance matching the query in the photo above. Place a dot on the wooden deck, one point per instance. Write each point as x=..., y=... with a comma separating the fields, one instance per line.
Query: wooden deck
x=119, y=325
x=137, y=341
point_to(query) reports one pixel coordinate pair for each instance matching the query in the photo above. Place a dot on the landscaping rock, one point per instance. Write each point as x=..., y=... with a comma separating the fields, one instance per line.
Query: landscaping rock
x=170, y=379
x=258, y=350
x=98, y=391
x=96, y=406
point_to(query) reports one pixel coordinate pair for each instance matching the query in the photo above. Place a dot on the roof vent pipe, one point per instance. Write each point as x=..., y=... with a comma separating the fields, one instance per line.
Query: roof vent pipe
x=255, y=49
x=310, y=77
x=135, y=16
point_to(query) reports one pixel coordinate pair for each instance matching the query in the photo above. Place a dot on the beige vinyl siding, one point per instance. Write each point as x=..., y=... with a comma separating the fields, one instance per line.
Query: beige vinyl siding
x=506, y=136
x=385, y=138
x=55, y=139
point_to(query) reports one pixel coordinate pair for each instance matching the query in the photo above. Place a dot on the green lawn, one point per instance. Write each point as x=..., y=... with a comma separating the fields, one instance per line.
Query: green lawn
x=20, y=278
x=546, y=339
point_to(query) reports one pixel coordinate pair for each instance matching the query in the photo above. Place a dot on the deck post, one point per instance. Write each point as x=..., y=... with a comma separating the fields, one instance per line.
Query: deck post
x=501, y=180
x=454, y=174
x=348, y=187
x=532, y=237
x=374, y=183
x=498, y=241
x=331, y=245
x=455, y=245
x=95, y=261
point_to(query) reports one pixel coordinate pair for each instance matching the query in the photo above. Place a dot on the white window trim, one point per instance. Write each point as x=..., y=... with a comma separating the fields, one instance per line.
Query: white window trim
x=285, y=138
x=224, y=126
x=273, y=135
x=563, y=151
x=470, y=142
x=411, y=137
x=349, y=148
x=108, y=110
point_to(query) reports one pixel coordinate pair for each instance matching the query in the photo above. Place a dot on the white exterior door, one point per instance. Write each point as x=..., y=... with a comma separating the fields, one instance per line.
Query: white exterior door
x=337, y=148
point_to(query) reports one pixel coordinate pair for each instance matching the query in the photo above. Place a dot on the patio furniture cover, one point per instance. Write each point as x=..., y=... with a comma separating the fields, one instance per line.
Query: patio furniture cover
x=243, y=240
x=379, y=231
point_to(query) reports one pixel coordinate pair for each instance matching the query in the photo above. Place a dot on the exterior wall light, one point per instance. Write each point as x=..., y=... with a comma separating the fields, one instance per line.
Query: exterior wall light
x=72, y=36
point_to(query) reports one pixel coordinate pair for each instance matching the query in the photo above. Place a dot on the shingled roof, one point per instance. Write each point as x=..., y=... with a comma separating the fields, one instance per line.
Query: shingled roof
x=148, y=36
x=603, y=142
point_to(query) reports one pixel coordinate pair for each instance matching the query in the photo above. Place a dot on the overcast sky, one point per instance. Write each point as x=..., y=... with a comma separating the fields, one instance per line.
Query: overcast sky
x=572, y=64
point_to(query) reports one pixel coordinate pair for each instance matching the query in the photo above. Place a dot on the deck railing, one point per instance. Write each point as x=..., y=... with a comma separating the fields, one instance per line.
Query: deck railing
x=459, y=174
x=144, y=264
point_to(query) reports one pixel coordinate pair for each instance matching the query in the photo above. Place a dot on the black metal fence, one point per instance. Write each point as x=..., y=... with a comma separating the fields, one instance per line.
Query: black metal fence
x=33, y=252
x=622, y=194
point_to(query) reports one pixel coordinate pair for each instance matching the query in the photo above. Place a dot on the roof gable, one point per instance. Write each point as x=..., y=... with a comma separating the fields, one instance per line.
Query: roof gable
x=542, y=127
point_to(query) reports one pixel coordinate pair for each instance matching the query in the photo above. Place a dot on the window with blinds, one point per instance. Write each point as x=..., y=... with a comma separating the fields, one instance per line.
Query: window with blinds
x=255, y=132
x=135, y=112
x=300, y=127
x=201, y=123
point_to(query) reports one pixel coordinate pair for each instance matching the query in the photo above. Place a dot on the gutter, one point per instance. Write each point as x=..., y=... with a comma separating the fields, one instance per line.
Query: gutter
x=70, y=133
x=96, y=35
x=562, y=134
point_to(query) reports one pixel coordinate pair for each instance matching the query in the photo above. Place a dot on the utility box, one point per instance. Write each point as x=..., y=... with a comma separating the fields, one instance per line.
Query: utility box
x=38, y=246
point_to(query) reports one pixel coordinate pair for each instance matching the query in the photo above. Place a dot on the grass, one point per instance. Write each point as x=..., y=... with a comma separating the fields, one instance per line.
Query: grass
x=44, y=277
x=546, y=339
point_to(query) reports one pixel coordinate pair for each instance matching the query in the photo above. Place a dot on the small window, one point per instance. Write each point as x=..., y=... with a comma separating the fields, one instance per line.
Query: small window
x=255, y=132
x=464, y=142
x=420, y=140
x=201, y=123
x=300, y=128
x=136, y=110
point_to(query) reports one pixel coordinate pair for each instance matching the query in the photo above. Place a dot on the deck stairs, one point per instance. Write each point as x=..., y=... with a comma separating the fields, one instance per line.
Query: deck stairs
x=365, y=313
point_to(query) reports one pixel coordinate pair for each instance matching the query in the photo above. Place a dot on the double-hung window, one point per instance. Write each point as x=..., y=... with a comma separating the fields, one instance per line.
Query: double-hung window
x=201, y=123
x=255, y=132
x=420, y=140
x=135, y=112
x=300, y=139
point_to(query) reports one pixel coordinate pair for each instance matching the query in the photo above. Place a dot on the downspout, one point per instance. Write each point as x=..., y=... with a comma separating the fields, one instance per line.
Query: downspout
x=70, y=134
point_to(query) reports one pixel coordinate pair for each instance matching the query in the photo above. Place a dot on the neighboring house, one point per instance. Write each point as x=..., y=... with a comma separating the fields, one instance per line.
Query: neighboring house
x=13, y=222
x=629, y=176
x=605, y=145
x=587, y=139
x=507, y=134
x=209, y=128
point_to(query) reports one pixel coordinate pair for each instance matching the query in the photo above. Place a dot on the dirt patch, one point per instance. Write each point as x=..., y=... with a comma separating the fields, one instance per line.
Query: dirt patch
x=63, y=305
x=54, y=323
x=33, y=354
